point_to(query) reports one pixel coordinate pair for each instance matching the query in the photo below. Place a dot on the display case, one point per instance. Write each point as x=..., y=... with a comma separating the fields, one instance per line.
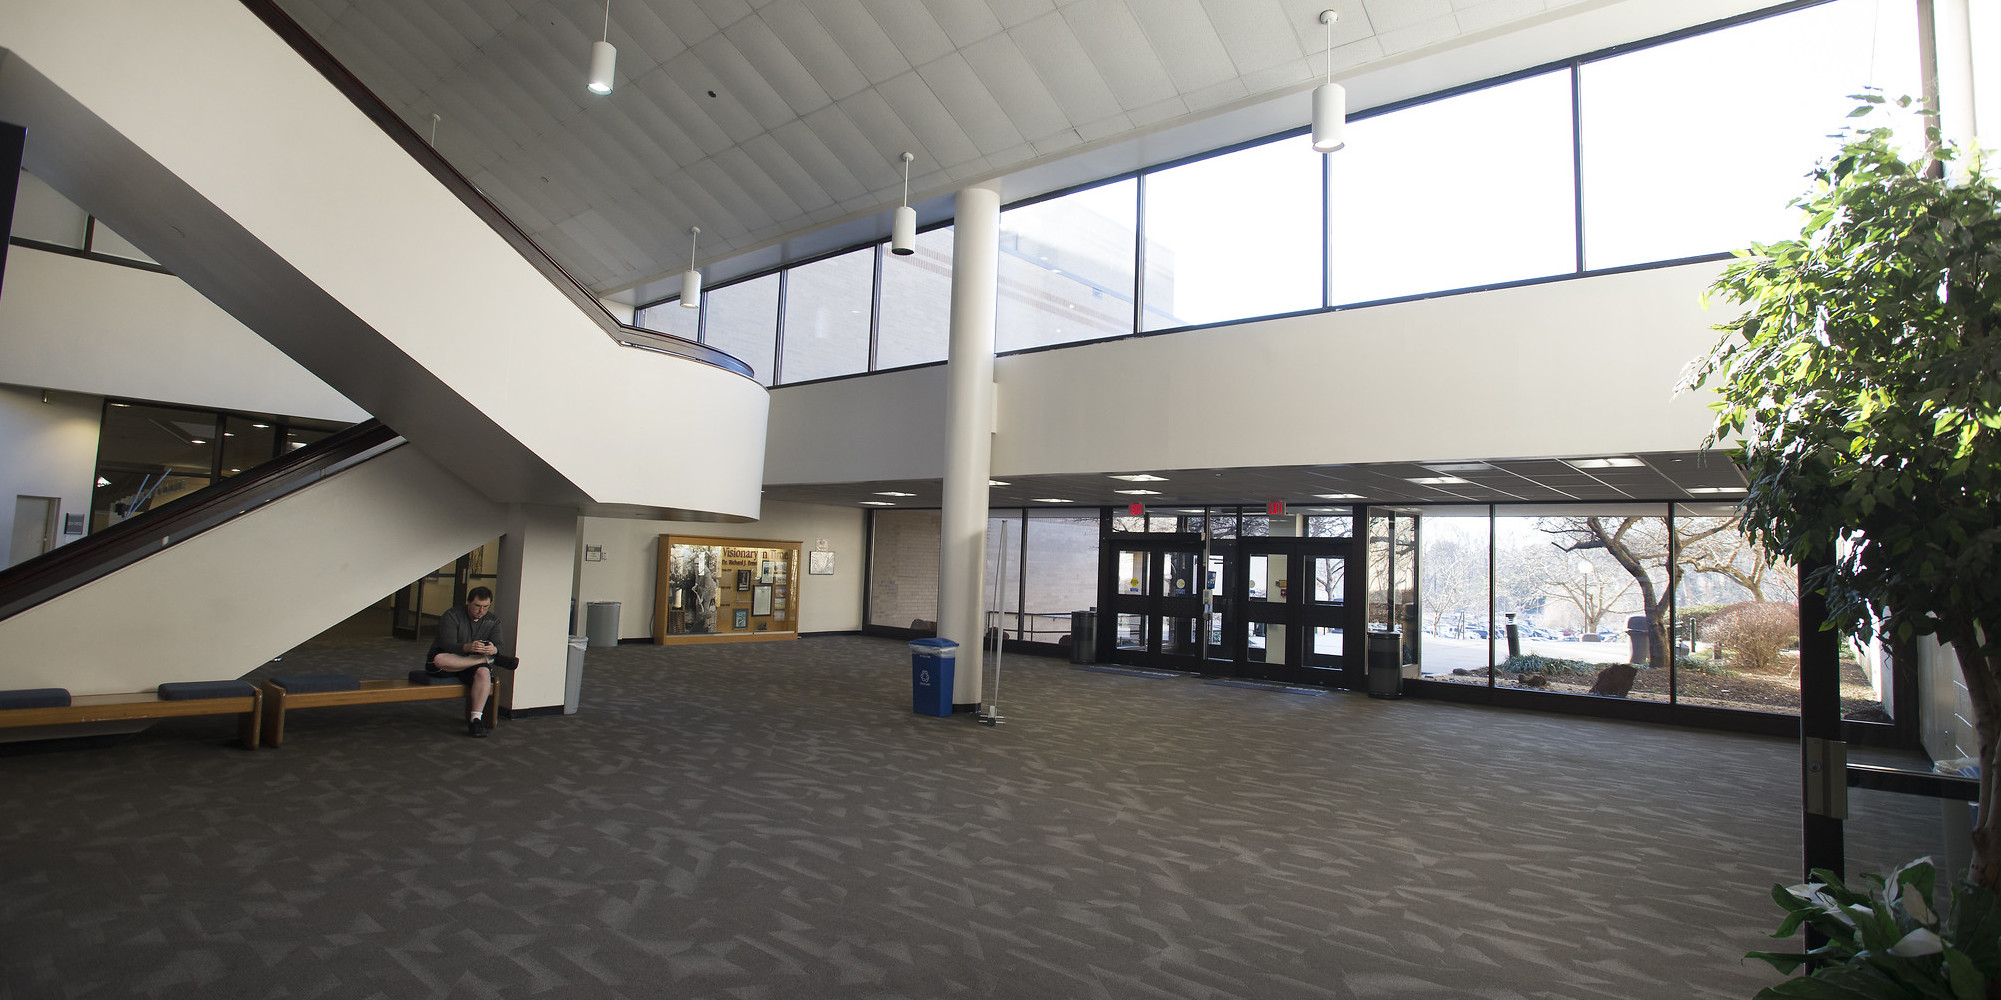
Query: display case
x=726, y=590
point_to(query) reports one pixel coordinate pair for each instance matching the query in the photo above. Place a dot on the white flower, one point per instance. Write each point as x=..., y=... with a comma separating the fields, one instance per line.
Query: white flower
x=1915, y=905
x=1916, y=943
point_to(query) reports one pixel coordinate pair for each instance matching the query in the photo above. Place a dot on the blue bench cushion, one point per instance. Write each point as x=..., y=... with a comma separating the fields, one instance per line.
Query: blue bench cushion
x=426, y=678
x=35, y=698
x=315, y=683
x=196, y=690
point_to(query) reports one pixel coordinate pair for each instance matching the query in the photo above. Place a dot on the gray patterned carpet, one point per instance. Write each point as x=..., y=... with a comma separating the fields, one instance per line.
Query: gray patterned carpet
x=770, y=820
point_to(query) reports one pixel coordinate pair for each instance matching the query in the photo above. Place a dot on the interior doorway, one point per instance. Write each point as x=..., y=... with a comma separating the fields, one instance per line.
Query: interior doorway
x=36, y=521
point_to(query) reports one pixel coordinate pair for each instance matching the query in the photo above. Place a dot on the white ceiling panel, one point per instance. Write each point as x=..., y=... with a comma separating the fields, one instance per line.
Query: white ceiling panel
x=1006, y=74
x=1180, y=32
x=1065, y=70
x=972, y=106
x=814, y=49
x=866, y=44
x=910, y=25
x=813, y=99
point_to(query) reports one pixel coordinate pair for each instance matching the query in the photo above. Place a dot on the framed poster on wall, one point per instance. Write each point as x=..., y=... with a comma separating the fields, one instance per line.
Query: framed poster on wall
x=760, y=599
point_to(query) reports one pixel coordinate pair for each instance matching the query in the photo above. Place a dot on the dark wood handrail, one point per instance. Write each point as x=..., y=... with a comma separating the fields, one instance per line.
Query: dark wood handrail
x=400, y=132
x=102, y=553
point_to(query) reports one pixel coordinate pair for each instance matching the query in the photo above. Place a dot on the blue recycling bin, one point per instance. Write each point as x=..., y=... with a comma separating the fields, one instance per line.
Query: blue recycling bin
x=931, y=667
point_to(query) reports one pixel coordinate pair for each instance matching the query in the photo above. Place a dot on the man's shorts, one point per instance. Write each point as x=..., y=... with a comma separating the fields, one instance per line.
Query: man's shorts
x=464, y=676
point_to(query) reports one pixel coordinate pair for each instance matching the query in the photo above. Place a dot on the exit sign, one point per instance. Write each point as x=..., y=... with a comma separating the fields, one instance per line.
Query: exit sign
x=1136, y=509
x=1275, y=508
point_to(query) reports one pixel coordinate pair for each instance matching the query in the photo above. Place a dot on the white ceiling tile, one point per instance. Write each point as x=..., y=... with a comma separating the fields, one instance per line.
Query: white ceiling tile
x=370, y=54
x=1180, y=32
x=1093, y=131
x=813, y=155
x=1287, y=76
x=814, y=48
x=679, y=106
x=907, y=99
x=739, y=79
x=1391, y=15
x=518, y=209
x=1352, y=23
x=734, y=211
x=643, y=37
x=315, y=18
x=750, y=177
x=910, y=25
x=652, y=131
x=1112, y=37
x=1218, y=95
x=595, y=233
x=973, y=108
x=1492, y=13
x=792, y=178
x=1013, y=12
x=1256, y=33
x=965, y=21
x=858, y=34
x=1419, y=35
x=1012, y=157
x=1065, y=70
x=862, y=152
x=1007, y=75
x=723, y=13
x=702, y=85
x=1173, y=107
x=777, y=66
x=686, y=20
x=1057, y=142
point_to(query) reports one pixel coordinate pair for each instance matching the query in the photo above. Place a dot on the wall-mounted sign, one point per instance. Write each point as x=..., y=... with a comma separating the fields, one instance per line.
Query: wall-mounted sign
x=1276, y=508
x=72, y=524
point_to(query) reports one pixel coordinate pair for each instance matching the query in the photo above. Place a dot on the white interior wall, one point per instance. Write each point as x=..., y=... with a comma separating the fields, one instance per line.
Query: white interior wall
x=48, y=448
x=222, y=603
x=1583, y=366
x=631, y=553
x=86, y=326
x=1945, y=709
x=42, y=214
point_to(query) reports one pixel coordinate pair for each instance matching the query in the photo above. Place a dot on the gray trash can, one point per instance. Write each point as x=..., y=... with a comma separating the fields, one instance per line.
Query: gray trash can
x=573, y=677
x=601, y=623
x=1083, y=636
x=1385, y=673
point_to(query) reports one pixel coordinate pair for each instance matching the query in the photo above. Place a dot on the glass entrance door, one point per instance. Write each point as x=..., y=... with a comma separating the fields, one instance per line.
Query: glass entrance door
x=1157, y=603
x=1288, y=607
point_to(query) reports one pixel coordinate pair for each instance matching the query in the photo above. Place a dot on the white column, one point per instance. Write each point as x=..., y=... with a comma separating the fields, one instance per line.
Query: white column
x=1953, y=40
x=537, y=564
x=969, y=409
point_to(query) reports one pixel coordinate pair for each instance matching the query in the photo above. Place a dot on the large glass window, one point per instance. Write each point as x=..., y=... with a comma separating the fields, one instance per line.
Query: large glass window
x=916, y=325
x=1562, y=574
x=1684, y=154
x=743, y=322
x=1234, y=236
x=1452, y=594
x=669, y=318
x=1737, y=622
x=1468, y=190
x=1066, y=268
x=1000, y=590
x=1061, y=569
x=827, y=307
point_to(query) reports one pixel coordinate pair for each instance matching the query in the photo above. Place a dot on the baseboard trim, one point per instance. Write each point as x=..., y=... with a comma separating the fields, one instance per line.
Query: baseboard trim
x=531, y=713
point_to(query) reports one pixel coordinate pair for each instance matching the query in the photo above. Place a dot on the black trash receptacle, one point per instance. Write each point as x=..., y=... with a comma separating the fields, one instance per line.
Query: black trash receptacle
x=1385, y=672
x=1083, y=636
x=932, y=663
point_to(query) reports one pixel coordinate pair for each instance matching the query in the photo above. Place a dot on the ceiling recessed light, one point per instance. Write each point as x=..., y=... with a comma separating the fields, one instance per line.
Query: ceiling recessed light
x=262, y=427
x=877, y=503
x=1339, y=496
x=197, y=441
x=1438, y=480
x=996, y=482
x=121, y=404
x=893, y=493
x=234, y=471
x=1142, y=478
x=1460, y=467
x=1139, y=493
x=1604, y=463
x=1049, y=500
x=1717, y=489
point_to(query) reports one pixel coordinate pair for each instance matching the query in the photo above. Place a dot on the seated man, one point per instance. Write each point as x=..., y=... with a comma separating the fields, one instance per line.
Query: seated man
x=465, y=646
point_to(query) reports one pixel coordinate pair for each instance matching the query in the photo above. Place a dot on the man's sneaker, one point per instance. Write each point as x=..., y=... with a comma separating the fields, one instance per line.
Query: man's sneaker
x=506, y=662
x=476, y=729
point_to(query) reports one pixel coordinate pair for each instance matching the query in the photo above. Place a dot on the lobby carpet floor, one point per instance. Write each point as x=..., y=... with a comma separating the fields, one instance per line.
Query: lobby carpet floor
x=771, y=821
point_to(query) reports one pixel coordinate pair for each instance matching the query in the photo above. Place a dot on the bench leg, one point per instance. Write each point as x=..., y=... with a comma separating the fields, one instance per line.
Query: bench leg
x=248, y=729
x=274, y=715
x=492, y=711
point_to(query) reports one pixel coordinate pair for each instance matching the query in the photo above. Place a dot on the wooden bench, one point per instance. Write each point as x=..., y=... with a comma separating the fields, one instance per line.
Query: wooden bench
x=142, y=705
x=277, y=701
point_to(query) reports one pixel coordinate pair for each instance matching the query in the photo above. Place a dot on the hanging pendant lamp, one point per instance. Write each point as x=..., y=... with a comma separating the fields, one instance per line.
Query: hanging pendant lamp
x=691, y=279
x=903, y=227
x=603, y=57
x=1330, y=101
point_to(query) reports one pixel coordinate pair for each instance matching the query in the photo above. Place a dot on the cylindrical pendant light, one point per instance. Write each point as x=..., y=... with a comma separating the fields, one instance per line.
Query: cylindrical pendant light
x=691, y=279
x=603, y=57
x=1330, y=101
x=903, y=227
